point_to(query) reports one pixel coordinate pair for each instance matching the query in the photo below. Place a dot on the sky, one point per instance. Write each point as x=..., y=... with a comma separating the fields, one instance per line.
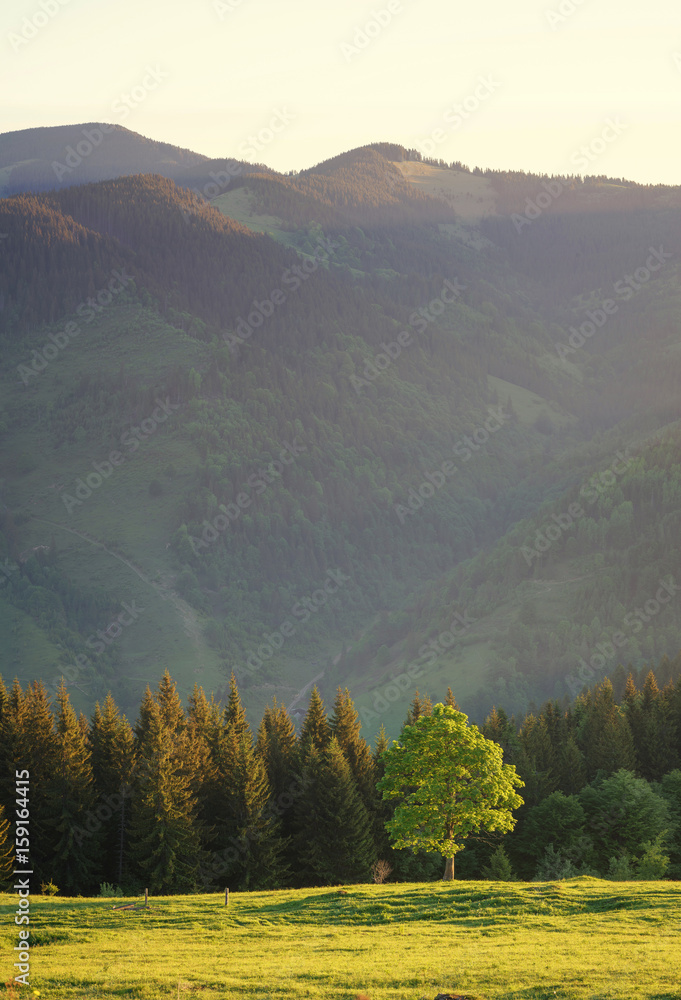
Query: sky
x=590, y=87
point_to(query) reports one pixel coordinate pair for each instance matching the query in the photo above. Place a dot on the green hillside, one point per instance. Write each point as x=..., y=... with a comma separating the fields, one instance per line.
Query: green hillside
x=268, y=325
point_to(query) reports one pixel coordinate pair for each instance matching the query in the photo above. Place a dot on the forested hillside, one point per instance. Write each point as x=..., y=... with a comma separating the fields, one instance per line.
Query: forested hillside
x=190, y=800
x=339, y=377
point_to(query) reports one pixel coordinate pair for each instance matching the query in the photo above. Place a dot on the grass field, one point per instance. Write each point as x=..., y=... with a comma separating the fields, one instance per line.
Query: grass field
x=584, y=938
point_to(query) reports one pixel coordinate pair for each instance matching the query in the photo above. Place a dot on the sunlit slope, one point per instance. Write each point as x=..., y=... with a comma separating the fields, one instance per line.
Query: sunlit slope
x=470, y=195
x=252, y=343
x=486, y=940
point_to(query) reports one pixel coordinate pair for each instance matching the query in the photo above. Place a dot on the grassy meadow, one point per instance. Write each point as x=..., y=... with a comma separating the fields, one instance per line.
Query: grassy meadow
x=583, y=938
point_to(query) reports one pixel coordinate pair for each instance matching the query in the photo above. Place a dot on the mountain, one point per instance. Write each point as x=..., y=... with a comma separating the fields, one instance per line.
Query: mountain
x=299, y=426
x=40, y=159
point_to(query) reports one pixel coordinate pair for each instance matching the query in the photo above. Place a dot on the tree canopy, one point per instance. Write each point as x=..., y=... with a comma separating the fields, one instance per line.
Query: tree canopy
x=450, y=781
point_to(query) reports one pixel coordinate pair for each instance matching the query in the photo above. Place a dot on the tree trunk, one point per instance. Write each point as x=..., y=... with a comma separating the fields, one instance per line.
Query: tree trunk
x=449, y=870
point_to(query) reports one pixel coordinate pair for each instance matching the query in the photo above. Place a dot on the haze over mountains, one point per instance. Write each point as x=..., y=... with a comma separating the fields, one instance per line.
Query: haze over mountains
x=386, y=422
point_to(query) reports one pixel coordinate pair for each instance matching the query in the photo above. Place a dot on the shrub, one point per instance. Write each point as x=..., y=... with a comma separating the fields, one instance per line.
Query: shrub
x=499, y=867
x=109, y=891
x=554, y=867
x=380, y=871
x=620, y=868
x=653, y=864
x=49, y=888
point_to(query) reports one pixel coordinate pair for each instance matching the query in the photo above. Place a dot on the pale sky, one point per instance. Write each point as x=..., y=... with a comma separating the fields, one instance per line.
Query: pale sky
x=225, y=68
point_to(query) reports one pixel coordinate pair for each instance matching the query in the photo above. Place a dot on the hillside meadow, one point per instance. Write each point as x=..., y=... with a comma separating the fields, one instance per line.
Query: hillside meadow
x=582, y=938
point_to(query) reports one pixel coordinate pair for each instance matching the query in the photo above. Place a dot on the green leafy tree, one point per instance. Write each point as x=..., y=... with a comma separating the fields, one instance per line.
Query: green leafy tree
x=670, y=790
x=624, y=812
x=654, y=861
x=450, y=781
x=559, y=821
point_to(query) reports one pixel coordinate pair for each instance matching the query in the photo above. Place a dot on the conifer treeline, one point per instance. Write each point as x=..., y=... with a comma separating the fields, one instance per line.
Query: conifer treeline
x=189, y=800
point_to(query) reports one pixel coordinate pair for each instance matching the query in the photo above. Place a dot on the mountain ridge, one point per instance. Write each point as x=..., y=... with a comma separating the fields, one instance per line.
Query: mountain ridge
x=260, y=338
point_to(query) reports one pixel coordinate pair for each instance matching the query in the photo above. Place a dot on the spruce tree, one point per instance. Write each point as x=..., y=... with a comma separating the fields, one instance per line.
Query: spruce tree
x=235, y=716
x=4, y=699
x=605, y=736
x=257, y=847
x=277, y=747
x=6, y=851
x=168, y=700
x=537, y=766
x=450, y=700
x=12, y=741
x=113, y=750
x=164, y=830
x=204, y=720
x=501, y=730
x=656, y=751
x=147, y=712
x=419, y=706
x=199, y=726
x=571, y=767
x=36, y=749
x=334, y=835
x=384, y=808
x=668, y=730
x=345, y=726
x=315, y=731
x=77, y=829
x=246, y=846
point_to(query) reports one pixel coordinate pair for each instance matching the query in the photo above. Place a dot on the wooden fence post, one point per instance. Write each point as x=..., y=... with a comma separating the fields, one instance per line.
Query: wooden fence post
x=146, y=897
x=226, y=897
